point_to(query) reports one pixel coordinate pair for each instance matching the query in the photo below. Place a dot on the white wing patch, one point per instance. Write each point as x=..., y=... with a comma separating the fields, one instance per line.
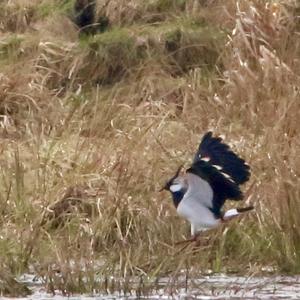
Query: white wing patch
x=227, y=176
x=207, y=159
x=217, y=167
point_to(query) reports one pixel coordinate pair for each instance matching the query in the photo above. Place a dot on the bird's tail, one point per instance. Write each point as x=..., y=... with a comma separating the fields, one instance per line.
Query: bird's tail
x=231, y=213
x=244, y=209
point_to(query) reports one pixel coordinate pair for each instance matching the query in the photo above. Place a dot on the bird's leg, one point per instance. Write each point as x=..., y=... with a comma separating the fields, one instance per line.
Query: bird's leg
x=188, y=242
x=194, y=238
x=197, y=241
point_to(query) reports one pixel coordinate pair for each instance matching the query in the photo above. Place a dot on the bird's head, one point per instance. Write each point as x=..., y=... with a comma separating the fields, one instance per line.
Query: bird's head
x=177, y=185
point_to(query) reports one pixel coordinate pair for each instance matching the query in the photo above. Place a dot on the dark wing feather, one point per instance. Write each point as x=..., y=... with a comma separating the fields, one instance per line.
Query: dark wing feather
x=221, y=155
x=221, y=168
x=222, y=186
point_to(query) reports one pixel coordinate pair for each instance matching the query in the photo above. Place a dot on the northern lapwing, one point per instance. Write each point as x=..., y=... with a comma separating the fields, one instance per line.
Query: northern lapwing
x=215, y=175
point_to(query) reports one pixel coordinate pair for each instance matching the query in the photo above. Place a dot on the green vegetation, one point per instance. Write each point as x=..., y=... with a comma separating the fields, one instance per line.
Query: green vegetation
x=10, y=48
x=91, y=126
x=48, y=8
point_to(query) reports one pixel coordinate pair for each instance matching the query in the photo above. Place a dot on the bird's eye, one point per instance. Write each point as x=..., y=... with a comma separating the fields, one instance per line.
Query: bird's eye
x=175, y=187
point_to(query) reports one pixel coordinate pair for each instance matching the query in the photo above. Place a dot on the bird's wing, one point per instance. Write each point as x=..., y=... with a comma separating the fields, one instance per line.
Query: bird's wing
x=217, y=153
x=215, y=163
x=222, y=185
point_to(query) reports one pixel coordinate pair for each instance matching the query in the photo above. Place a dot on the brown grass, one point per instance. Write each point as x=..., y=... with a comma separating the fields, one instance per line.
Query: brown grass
x=91, y=127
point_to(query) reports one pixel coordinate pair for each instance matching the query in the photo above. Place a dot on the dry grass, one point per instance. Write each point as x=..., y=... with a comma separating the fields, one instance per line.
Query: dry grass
x=91, y=127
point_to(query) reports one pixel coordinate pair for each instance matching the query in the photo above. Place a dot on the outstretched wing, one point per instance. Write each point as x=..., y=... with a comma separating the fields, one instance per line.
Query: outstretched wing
x=221, y=168
x=217, y=153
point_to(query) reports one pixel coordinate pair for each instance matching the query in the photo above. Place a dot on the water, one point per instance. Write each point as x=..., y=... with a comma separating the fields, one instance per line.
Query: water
x=205, y=288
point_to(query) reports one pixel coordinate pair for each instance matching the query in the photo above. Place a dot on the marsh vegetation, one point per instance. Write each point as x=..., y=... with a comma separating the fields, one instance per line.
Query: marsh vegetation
x=91, y=125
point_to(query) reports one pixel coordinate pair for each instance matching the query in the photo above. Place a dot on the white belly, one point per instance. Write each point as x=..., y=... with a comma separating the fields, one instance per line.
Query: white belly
x=200, y=217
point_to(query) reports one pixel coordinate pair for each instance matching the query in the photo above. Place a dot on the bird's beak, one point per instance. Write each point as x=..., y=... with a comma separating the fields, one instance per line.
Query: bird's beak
x=165, y=187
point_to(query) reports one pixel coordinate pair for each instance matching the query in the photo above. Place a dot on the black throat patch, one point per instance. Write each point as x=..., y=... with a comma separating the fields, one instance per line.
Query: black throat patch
x=177, y=196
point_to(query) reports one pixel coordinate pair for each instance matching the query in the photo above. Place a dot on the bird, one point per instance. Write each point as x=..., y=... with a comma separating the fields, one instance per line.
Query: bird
x=214, y=176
